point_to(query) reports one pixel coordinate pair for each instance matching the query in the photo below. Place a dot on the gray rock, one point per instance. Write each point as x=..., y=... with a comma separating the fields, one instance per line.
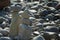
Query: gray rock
x=5, y=38
x=50, y=35
x=1, y=20
x=51, y=29
x=57, y=21
x=15, y=7
x=38, y=38
x=1, y=34
x=4, y=32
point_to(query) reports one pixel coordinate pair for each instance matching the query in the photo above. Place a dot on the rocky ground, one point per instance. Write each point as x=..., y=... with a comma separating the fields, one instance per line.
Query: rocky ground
x=44, y=17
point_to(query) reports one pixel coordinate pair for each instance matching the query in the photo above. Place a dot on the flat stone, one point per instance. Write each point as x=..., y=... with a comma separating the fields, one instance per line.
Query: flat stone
x=38, y=38
x=5, y=38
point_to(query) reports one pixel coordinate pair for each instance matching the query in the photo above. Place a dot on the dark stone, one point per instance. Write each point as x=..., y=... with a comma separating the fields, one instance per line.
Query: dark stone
x=44, y=13
x=1, y=34
x=53, y=29
x=4, y=32
x=57, y=7
x=36, y=16
x=1, y=20
x=52, y=4
x=49, y=36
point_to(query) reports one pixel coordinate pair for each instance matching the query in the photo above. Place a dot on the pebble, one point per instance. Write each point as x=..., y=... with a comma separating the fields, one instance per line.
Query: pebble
x=5, y=38
x=38, y=38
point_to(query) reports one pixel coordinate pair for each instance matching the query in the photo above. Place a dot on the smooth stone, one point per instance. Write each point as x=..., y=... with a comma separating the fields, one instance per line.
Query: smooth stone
x=7, y=28
x=52, y=29
x=15, y=8
x=50, y=35
x=1, y=20
x=58, y=6
x=1, y=34
x=38, y=38
x=5, y=38
x=36, y=33
x=52, y=4
x=4, y=32
x=57, y=21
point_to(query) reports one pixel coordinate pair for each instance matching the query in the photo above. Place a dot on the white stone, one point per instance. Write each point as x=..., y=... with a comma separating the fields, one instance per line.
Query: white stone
x=5, y=38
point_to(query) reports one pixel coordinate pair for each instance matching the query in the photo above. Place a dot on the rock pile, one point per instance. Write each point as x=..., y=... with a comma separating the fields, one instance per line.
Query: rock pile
x=30, y=20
